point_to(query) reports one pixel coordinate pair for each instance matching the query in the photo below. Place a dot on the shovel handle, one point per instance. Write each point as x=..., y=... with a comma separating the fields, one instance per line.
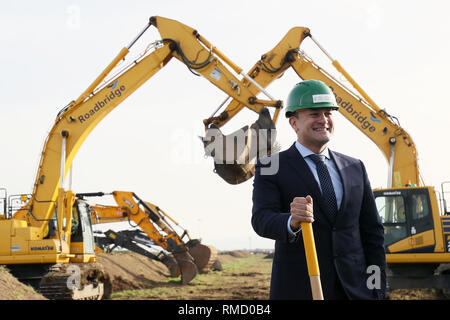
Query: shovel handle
x=311, y=260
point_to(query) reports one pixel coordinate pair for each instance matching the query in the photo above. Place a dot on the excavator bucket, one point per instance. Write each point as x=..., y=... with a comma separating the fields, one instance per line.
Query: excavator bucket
x=187, y=266
x=171, y=263
x=204, y=256
x=235, y=155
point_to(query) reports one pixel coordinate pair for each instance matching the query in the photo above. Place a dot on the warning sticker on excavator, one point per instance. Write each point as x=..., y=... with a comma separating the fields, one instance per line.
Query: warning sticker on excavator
x=216, y=74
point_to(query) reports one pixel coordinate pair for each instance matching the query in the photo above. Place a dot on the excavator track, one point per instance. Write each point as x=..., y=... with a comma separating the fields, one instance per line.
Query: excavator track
x=73, y=281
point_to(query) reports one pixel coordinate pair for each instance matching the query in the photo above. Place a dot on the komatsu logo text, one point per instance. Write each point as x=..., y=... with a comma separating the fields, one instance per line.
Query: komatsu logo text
x=366, y=122
x=42, y=248
x=114, y=93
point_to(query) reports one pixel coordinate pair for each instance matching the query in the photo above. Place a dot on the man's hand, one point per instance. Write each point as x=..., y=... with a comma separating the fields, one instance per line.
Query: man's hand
x=301, y=211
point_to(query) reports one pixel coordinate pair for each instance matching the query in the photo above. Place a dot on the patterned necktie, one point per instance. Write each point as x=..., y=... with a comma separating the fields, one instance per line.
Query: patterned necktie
x=328, y=194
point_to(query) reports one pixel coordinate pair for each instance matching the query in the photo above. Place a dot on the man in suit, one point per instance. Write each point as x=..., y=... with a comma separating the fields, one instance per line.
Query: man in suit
x=331, y=191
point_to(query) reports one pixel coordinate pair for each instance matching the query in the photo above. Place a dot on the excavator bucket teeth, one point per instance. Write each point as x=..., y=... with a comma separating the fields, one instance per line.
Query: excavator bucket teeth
x=187, y=266
x=171, y=263
x=235, y=155
x=204, y=256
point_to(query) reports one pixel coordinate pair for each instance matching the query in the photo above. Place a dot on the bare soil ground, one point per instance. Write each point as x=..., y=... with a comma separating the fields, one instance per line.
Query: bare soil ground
x=242, y=276
x=13, y=289
x=422, y=294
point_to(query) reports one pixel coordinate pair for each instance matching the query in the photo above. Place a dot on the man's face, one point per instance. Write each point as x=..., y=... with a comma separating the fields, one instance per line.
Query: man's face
x=314, y=127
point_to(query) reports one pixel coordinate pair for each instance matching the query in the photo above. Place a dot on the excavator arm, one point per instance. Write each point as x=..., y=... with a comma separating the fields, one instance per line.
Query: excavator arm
x=411, y=237
x=53, y=226
x=74, y=123
x=380, y=127
x=383, y=129
x=191, y=256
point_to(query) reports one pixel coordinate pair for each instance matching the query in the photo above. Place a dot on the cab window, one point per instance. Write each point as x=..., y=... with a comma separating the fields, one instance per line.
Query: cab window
x=420, y=207
x=393, y=217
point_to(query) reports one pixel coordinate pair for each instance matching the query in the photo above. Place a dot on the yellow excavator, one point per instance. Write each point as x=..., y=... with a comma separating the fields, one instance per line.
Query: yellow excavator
x=189, y=258
x=417, y=228
x=39, y=242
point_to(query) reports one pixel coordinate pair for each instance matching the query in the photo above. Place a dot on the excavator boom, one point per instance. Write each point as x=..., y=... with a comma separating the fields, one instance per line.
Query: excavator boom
x=76, y=121
x=393, y=141
x=52, y=227
x=380, y=127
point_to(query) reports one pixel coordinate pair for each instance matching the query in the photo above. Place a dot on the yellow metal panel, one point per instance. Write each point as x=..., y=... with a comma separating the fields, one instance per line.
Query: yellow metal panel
x=403, y=245
x=440, y=243
x=424, y=239
x=5, y=237
x=417, y=257
x=17, y=224
x=420, y=240
x=27, y=233
x=84, y=258
x=77, y=249
x=41, y=258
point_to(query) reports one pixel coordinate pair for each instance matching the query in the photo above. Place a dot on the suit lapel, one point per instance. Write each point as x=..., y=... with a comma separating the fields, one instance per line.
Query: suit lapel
x=305, y=176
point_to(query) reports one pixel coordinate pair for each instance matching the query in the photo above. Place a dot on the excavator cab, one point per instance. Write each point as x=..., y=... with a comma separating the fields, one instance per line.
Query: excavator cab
x=407, y=217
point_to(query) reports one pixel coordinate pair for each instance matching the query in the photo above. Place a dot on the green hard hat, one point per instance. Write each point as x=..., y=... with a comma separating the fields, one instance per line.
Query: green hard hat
x=310, y=94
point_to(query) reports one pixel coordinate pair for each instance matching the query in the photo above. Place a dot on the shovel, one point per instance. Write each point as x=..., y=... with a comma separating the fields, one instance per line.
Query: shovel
x=311, y=260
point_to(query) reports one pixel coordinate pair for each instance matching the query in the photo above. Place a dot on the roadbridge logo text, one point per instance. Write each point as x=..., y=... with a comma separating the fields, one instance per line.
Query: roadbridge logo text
x=366, y=122
x=114, y=93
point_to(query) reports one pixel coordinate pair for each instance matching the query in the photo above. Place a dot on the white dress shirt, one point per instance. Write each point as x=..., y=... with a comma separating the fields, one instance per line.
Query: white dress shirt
x=335, y=178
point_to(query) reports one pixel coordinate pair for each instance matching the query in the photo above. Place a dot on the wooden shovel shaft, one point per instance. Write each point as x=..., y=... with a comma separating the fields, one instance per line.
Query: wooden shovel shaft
x=311, y=260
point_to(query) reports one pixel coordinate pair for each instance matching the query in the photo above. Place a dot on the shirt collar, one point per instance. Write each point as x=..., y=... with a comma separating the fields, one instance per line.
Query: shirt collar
x=305, y=152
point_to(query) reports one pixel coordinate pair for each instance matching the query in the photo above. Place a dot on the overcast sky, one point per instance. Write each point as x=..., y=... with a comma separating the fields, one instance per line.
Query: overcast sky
x=52, y=50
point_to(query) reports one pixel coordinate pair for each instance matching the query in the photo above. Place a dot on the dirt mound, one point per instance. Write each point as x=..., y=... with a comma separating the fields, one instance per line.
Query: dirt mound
x=131, y=271
x=225, y=258
x=237, y=253
x=13, y=289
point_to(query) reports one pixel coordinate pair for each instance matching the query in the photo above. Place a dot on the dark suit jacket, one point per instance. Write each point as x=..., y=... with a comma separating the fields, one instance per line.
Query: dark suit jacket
x=345, y=247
